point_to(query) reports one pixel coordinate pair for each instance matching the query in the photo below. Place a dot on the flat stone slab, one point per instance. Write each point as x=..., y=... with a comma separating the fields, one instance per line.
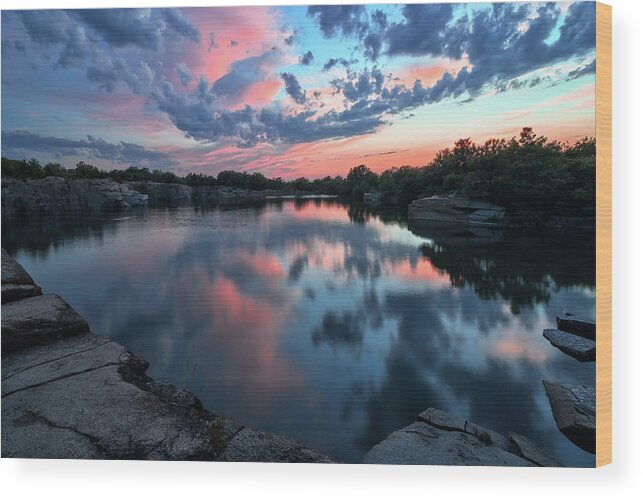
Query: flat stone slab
x=16, y=283
x=38, y=320
x=574, y=409
x=586, y=329
x=575, y=346
x=85, y=397
x=250, y=445
x=440, y=438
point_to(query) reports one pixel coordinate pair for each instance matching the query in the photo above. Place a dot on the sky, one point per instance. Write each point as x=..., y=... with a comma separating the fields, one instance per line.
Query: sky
x=291, y=91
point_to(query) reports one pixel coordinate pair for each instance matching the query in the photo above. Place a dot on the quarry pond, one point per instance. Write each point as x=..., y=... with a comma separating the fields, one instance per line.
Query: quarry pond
x=324, y=322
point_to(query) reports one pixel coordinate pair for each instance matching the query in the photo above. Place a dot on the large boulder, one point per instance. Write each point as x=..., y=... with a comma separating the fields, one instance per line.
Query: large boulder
x=456, y=209
x=16, y=283
x=440, y=438
x=574, y=409
x=39, y=320
x=575, y=346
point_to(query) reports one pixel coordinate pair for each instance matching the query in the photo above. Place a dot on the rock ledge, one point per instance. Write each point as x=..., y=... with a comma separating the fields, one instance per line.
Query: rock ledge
x=440, y=438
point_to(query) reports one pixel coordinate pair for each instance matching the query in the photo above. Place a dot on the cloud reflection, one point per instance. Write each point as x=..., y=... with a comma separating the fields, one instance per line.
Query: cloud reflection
x=330, y=324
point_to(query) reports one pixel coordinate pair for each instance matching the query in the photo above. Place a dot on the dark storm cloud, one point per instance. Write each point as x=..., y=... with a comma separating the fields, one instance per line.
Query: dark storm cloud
x=340, y=19
x=372, y=45
x=101, y=40
x=307, y=58
x=244, y=73
x=121, y=152
x=182, y=26
x=108, y=72
x=184, y=74
x=501, y=42
x=352, y=20
x=141, y=28
x=196, y=114
x=293, y=88
x=363, y=85
x=421, y=32
x=587, y=69
x=331, y=63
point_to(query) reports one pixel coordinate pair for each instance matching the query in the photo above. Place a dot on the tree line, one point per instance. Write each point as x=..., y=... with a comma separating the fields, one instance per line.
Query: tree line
x=527, y=169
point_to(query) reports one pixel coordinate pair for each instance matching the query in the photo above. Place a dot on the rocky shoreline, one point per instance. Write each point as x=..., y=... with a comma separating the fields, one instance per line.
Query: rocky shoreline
x=68, y=393
x=440, y=438
x=54, y=195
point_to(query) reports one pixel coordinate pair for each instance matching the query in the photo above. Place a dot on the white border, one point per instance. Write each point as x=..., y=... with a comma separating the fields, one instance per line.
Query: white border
x=105, y=479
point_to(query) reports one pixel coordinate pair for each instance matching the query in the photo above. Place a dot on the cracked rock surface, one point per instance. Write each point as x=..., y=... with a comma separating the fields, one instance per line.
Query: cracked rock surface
x=440, y=438
x=16, y=283
x=39, y=320
x=69, y=393
x=574, y=409
x=575, y=346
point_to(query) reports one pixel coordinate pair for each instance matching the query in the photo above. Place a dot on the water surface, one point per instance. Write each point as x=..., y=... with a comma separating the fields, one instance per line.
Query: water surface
x=324, y=322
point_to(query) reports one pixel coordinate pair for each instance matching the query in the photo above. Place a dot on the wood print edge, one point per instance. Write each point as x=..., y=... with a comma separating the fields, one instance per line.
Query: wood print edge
x=603, y=234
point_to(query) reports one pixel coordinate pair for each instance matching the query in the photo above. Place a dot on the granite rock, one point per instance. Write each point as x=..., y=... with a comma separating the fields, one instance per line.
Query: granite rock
x=586, y=329
x=456, y=209
x=38, y=320
x=574, y=409
x=575, y=346
x=250, y=445
x=16, y=283
x=441, y=438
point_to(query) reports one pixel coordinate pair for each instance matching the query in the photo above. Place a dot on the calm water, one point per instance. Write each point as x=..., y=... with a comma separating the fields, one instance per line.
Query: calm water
x=326, y=323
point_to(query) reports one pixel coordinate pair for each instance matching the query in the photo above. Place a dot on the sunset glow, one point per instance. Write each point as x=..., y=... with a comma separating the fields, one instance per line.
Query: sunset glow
x=290, y=91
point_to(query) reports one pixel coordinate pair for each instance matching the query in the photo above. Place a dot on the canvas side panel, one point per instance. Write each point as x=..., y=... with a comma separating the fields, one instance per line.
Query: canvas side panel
x=604, y=234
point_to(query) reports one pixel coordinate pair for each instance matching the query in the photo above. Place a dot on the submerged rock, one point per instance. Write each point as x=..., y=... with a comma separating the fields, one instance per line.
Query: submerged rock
x=441, y=438
x=578, y=327
x=16, y=283
x=456, y=209
x=576, y=346
x=574, y=409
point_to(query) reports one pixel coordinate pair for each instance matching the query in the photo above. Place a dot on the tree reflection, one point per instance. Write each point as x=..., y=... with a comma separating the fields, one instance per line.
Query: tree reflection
x=522, y=267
